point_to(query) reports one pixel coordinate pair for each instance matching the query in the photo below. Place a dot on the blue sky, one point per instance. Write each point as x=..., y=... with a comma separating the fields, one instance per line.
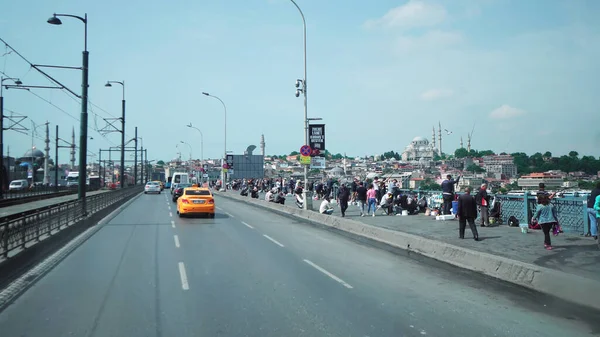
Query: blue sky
x=379, y=72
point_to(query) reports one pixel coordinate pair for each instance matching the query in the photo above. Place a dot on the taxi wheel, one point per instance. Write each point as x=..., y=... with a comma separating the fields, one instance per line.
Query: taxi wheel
x=212, y=215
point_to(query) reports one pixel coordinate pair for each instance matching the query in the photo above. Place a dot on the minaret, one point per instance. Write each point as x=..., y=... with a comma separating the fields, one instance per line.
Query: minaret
x=440, y=135
x=73, y=149
x=433, y=138
x=344, y=163
x=47, y=155
x=461, y=142
x=469, y=144
x=262, y=145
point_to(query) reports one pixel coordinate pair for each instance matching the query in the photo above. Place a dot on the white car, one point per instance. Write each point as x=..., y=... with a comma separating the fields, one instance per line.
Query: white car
x=152, y=187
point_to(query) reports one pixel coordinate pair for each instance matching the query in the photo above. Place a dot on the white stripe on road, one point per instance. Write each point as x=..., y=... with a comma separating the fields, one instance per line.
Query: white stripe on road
x=230, y=215
x=273, y=240
x=173, y=224
x=328, y=274
x=170, y=214
x=176, y=238
x=247, y=225
x=219, y=208
x=183, y=276
x=169, y=208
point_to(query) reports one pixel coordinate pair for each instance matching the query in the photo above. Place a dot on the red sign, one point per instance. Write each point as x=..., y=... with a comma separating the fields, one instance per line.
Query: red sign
x=305, y=150
x=315, y=152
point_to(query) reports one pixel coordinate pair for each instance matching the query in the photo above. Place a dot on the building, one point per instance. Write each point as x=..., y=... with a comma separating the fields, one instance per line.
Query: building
x=533, y=180
x=418, y=149
x=500, y=165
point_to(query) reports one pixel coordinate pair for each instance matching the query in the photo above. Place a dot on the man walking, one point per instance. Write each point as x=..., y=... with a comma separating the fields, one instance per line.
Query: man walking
x=483, y=201
x=343, y=197
x=467, y=212
x=448, y=193
x=361, y=197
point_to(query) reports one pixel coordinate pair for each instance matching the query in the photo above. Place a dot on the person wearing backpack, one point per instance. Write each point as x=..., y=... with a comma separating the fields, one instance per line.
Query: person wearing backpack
x=547, y=217
x=592, y=213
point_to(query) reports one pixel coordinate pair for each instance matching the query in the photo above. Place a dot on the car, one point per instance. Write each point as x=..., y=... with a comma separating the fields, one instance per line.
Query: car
x=178, y=191
x=18, y=185
x=152, y=187
x=196, y=200
x=173, y=187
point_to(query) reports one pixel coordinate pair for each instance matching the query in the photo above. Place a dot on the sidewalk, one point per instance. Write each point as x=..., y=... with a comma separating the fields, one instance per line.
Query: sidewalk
x=572, y=253
x=15, y=209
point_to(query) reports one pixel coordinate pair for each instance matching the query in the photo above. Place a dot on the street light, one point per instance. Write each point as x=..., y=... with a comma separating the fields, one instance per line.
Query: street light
x=201, y=144
x=122, y=169
x=2, y=169
x=301, y=88
x=223, y=176
x=81, y=188
x=182, y=142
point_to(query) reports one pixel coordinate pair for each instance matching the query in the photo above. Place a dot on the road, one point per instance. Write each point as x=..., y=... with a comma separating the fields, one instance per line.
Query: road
x=252, y=273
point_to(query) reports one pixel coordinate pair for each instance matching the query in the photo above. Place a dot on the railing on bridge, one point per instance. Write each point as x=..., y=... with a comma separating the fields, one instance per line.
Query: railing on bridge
x=19, y=230
x=572, y=211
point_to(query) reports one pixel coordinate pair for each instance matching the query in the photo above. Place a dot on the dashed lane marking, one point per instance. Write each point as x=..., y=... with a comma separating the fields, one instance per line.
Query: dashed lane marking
x=324, y=271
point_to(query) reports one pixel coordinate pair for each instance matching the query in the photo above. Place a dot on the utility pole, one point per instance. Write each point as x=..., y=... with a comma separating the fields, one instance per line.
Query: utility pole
x=135, y=176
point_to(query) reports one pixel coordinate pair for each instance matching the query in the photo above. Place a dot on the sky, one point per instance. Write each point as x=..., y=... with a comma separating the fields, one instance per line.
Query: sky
x=522, y=74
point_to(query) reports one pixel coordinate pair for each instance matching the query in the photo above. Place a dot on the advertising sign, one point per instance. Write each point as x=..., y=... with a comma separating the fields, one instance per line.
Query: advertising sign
x=230, y=161
x=317, y=163
x=316, y=138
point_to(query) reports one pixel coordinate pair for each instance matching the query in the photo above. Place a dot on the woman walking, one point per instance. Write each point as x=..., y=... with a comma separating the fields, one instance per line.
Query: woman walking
x=547, y=217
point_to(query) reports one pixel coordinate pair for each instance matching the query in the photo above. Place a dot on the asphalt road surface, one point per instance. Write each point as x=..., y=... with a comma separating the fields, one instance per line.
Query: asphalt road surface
x=253, y=273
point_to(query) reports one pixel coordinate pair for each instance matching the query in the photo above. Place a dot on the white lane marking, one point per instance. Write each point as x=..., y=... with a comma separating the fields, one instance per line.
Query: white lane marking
x=230, y=215
x=169, y=208
x=183, y=276
x=176, y=238
x=170, y=214
x=328, y=274
x=172, y=223
x=273, y=240
x=247, y=225
x=219, y=208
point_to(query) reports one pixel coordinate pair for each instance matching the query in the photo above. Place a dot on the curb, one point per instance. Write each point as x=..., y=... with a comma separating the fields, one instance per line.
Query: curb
x=567, y=287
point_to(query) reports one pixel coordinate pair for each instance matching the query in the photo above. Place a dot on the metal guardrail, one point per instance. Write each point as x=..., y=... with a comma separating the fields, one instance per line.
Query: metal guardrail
x=19, y=230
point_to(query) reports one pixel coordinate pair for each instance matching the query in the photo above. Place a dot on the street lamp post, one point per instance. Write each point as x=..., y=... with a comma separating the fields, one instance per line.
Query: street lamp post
x=223, y=175
x=122, y=169
x=301, y=88
x=2, y=169
x=201, y=145
x=190, y=161
x=81, y=188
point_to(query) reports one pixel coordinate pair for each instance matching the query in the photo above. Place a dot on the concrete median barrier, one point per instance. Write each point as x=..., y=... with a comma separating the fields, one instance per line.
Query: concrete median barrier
x=572, y=288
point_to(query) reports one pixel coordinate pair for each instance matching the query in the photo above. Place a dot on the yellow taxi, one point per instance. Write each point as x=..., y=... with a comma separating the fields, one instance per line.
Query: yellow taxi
x=196, y=200
x=161, y=184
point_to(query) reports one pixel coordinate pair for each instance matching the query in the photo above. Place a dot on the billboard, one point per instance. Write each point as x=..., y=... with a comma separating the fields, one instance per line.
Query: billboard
x=316, y=139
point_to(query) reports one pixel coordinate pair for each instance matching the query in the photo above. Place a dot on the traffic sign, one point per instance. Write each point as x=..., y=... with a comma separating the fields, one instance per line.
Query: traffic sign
x=305, y=150
x=315, y=152
x=305, y=160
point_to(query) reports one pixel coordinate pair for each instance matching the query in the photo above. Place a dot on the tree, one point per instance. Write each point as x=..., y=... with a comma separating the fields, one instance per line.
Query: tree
x=430, y=185
x=485, y=153
x=475, y=168
x=294, y=153
x=547, y=154
x=160, y=163
x=573, y=154
x=461, y=153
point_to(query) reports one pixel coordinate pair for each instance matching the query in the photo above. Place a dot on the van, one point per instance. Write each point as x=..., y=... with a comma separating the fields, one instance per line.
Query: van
x=179, y=178
x=18, y=185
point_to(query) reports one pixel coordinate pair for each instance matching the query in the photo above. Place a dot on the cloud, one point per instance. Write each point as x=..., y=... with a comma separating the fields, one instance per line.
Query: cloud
x=432, y=40
x=435, y=94
x=506, y=112
x=415, y=13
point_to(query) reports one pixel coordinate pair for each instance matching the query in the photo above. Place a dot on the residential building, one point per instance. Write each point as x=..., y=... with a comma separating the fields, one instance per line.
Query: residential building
x=500, y=164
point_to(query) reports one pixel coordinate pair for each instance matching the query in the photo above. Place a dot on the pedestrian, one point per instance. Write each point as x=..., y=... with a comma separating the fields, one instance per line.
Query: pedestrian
x=371, y=199
x=361, y=197
x=547, y=217
x=467, y=212
x=448, y=193
x=343, y=198
x=597, y=208
x=353, y=188
x=483, y=202
x=326, y=207
x=593, y=231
